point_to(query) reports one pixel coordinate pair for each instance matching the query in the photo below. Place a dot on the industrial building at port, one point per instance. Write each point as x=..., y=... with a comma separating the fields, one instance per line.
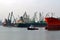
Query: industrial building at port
x=24, y=19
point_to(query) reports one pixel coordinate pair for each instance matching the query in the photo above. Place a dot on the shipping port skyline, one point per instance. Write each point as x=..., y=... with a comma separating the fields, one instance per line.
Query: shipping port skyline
x=30, y=6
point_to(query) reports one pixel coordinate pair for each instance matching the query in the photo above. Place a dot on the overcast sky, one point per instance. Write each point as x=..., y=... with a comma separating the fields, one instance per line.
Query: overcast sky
x=30, y=6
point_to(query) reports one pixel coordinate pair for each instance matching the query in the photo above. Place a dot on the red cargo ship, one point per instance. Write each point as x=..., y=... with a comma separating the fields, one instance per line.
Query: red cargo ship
x=52, y=23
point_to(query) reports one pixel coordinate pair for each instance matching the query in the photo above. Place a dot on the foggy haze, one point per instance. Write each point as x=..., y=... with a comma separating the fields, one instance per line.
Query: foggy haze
x=30, y=6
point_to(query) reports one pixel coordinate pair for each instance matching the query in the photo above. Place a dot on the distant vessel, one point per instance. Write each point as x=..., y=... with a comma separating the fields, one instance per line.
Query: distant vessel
x=32, y=28
x=52, y=23
x=25, y=21
x=7, y=23
x=28, y=24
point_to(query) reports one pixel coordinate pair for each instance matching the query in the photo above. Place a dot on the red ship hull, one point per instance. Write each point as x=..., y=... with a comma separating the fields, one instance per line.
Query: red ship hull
x=52, y=23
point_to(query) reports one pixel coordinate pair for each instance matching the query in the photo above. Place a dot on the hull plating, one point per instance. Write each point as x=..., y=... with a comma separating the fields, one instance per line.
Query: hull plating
x=52, y=23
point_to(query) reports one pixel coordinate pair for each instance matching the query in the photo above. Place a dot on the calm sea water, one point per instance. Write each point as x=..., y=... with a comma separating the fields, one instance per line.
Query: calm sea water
x=13, y=33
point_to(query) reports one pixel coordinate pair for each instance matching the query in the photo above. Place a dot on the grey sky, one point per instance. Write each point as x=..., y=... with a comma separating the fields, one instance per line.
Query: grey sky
x=30, y=6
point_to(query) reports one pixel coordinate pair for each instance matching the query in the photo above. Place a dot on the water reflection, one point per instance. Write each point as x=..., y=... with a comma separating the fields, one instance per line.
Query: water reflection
x=52, y=35
x=13, y=33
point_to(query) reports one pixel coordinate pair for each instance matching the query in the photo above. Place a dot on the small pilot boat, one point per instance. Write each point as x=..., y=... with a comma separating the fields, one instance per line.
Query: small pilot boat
x=32, y=28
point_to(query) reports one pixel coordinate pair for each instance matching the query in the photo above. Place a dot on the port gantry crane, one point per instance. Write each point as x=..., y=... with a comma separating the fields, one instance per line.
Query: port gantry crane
x=8, y=21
